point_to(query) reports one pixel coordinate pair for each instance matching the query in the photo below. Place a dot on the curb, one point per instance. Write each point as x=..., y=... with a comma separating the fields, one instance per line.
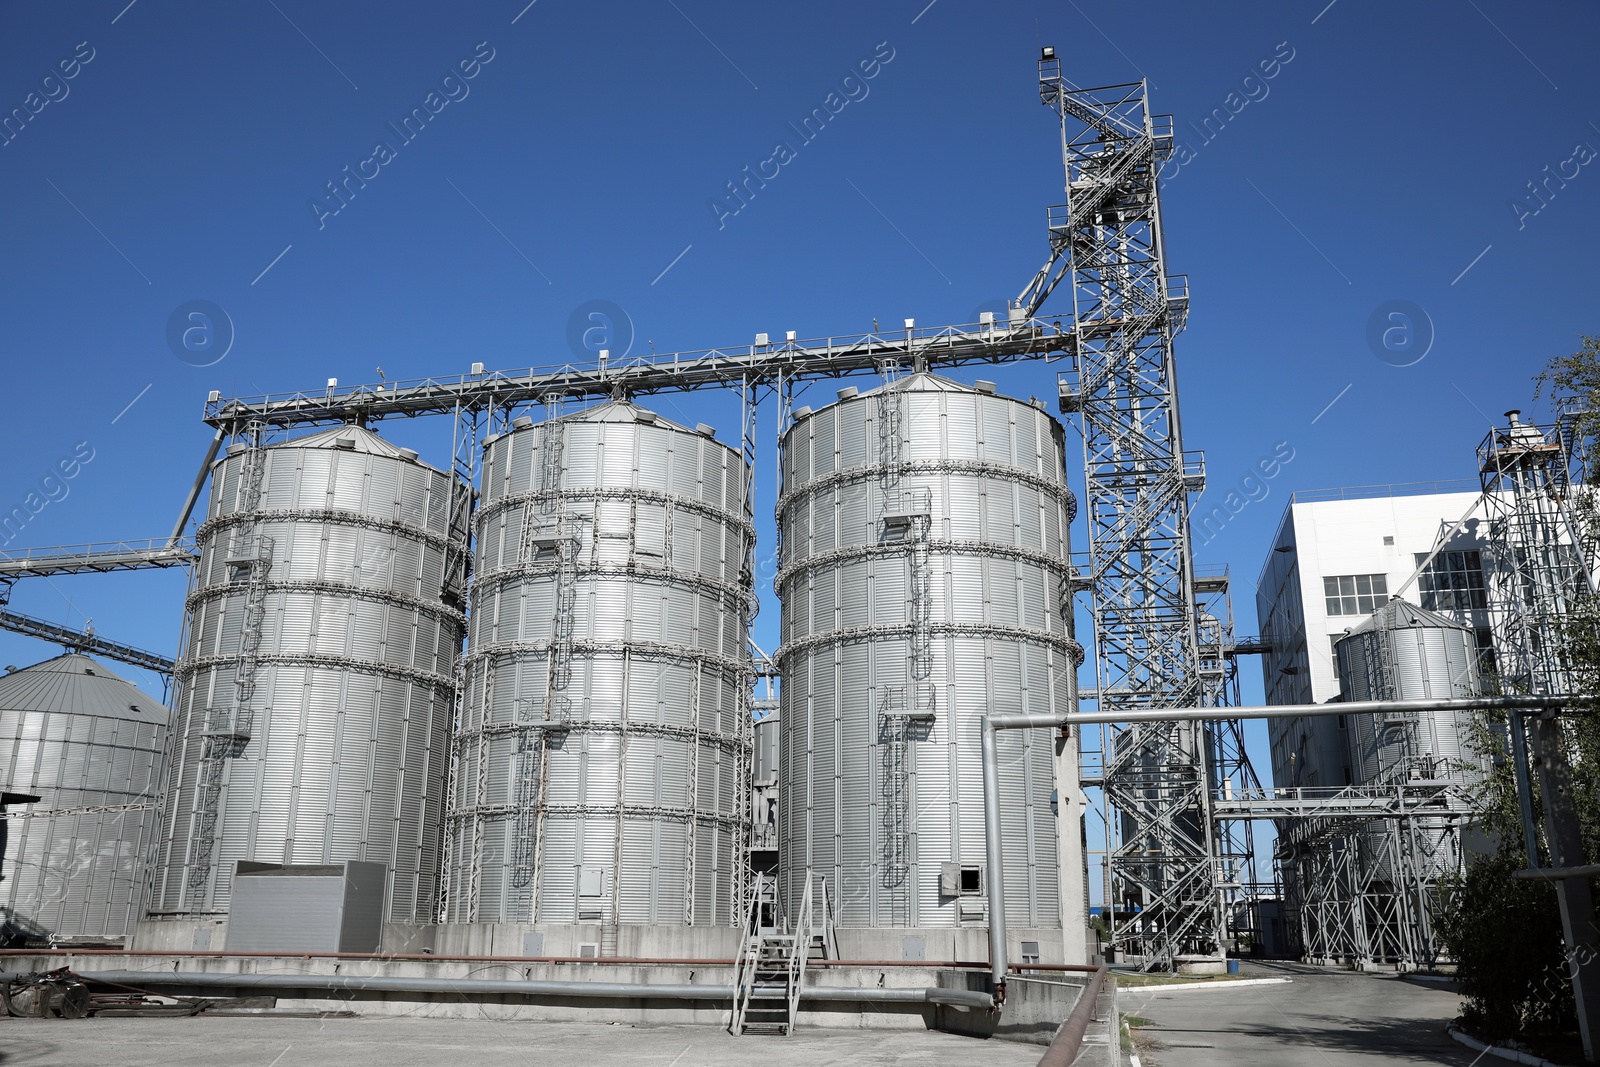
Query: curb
x=1238, y=984
x=1513, y=1055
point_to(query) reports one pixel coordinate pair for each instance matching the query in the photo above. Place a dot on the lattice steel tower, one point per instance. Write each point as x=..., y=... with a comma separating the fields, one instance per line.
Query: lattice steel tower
x=1148, y=648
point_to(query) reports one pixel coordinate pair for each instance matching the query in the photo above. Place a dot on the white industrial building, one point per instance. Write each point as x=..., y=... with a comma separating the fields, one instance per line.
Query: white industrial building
x=1338, y=556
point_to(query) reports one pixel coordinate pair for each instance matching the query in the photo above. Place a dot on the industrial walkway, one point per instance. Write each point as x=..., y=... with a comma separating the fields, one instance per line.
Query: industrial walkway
x=1323, y=1018
x=421, y=1042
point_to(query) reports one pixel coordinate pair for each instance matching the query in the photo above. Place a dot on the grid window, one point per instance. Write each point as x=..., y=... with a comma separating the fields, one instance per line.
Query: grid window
x=1355, y=594
x=1452, y=582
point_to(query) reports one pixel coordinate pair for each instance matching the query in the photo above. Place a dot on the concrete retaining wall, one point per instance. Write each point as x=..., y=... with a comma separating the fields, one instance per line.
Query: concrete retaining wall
x=1033, y=1010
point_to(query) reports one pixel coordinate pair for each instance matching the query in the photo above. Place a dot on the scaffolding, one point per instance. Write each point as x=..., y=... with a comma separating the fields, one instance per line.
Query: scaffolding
x=1537, y=575
x=1162, y=856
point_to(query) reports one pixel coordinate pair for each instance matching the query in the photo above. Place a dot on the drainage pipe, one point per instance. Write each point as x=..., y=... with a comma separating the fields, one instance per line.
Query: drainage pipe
x=993, y=878
x=332, y=983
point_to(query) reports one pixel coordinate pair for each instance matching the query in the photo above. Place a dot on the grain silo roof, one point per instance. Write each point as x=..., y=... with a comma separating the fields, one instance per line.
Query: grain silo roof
x=74, y=684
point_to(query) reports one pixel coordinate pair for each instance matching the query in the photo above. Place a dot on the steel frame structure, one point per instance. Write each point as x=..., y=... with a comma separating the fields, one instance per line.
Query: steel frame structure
x=1158, y=777
x=1538, y=571
x=1367, y=862
x=1163, y=638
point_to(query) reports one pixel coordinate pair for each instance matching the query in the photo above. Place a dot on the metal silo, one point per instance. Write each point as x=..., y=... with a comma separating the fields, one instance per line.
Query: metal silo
x=1404, y=652
x=317, y=679
x=924, y=581
x=601, y=759
x=91, y=746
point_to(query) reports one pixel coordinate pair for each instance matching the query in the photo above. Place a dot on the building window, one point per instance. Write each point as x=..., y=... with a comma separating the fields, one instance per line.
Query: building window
x=1452, y=582
x=1483, y=637
x=1355, y=594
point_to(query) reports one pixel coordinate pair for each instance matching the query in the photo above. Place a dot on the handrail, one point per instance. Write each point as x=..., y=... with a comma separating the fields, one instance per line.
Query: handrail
x=1063, y=1051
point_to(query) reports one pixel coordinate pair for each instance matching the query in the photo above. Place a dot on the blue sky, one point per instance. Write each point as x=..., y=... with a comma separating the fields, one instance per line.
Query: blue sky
x=580, y=162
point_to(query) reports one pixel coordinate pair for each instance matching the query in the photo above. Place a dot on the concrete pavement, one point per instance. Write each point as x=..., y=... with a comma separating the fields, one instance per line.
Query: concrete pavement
x=414, y=1042
x=1323, y=1018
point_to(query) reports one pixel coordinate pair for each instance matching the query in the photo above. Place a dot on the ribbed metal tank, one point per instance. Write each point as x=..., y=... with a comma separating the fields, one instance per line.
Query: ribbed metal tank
x=924, y=573
x=317, y=682
x=598, y=763
x=78, y=736
x=1403, y=652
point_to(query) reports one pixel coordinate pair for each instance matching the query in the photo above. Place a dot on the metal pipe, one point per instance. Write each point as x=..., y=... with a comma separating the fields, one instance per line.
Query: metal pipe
x=1063, y=1051
x=333, y=983
x=1285, y=711
x=194, y=491
x=428, y=957
x=993, y=878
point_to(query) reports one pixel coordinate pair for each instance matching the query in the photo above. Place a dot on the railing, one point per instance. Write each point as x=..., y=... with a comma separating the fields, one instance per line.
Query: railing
x=1375, y=492
x=100, y=556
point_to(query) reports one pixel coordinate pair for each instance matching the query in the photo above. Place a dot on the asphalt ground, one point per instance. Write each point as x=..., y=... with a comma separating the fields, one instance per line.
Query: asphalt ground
x=1323, y=1018
x=376, y=1041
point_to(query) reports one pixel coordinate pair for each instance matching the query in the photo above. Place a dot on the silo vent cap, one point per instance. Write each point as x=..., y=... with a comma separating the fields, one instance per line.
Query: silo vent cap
x=983, y=386
x=522, y=422
x=704, y=430
x=848, y=392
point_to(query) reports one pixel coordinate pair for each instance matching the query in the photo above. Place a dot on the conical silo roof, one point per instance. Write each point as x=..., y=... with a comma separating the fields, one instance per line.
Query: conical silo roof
x=1400, y=615
x=74, y=684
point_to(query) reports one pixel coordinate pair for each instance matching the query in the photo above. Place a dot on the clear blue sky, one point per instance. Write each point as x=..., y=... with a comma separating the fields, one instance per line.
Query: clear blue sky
x=179, y=163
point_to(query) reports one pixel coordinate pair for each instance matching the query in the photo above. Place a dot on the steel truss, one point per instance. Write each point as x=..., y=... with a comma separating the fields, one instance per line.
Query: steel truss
x=1537, y=575
x=1366, y=863
x=1163, y=851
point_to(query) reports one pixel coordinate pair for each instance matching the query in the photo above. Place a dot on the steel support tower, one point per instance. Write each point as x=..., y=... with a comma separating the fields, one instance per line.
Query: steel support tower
x=1537, y=575
x=1162, y=853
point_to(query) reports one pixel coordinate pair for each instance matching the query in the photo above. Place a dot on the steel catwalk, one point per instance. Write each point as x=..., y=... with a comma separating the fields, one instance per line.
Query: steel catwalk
x=598, y=759
x=924, y=577
x=317, y=681
x=92, y=747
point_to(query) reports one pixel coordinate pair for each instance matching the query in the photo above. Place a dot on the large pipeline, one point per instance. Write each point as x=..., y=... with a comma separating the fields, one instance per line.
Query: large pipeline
x=331, y=983
x=1063, y=1051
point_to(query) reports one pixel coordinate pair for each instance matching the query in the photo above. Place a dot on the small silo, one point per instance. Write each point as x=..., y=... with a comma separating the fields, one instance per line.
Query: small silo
x=602, y=757
x=1403, y=652
x=80, y=738
x=317, y=681
x=924, y=582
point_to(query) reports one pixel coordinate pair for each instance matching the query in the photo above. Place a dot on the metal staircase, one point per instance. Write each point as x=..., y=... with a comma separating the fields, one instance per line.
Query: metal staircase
x=771, y=964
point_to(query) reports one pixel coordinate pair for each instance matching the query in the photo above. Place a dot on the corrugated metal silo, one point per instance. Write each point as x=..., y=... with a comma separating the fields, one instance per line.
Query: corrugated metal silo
x=79, y=737
x=598, y=761
x=924, y=574
x=1404, y=652
x=317, y=679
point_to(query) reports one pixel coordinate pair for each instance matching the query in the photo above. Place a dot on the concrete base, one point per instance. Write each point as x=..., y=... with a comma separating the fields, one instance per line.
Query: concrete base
x=562, y=939
x=1201, y=965
x=963, y=944
x=1032, y=1012
x=179, y=935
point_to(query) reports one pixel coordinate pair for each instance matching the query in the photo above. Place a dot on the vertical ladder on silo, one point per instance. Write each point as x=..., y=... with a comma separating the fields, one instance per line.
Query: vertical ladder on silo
x=889, y=438
x=770, y=967
x=892, y=727
x=226, y=731
x=693, y=798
